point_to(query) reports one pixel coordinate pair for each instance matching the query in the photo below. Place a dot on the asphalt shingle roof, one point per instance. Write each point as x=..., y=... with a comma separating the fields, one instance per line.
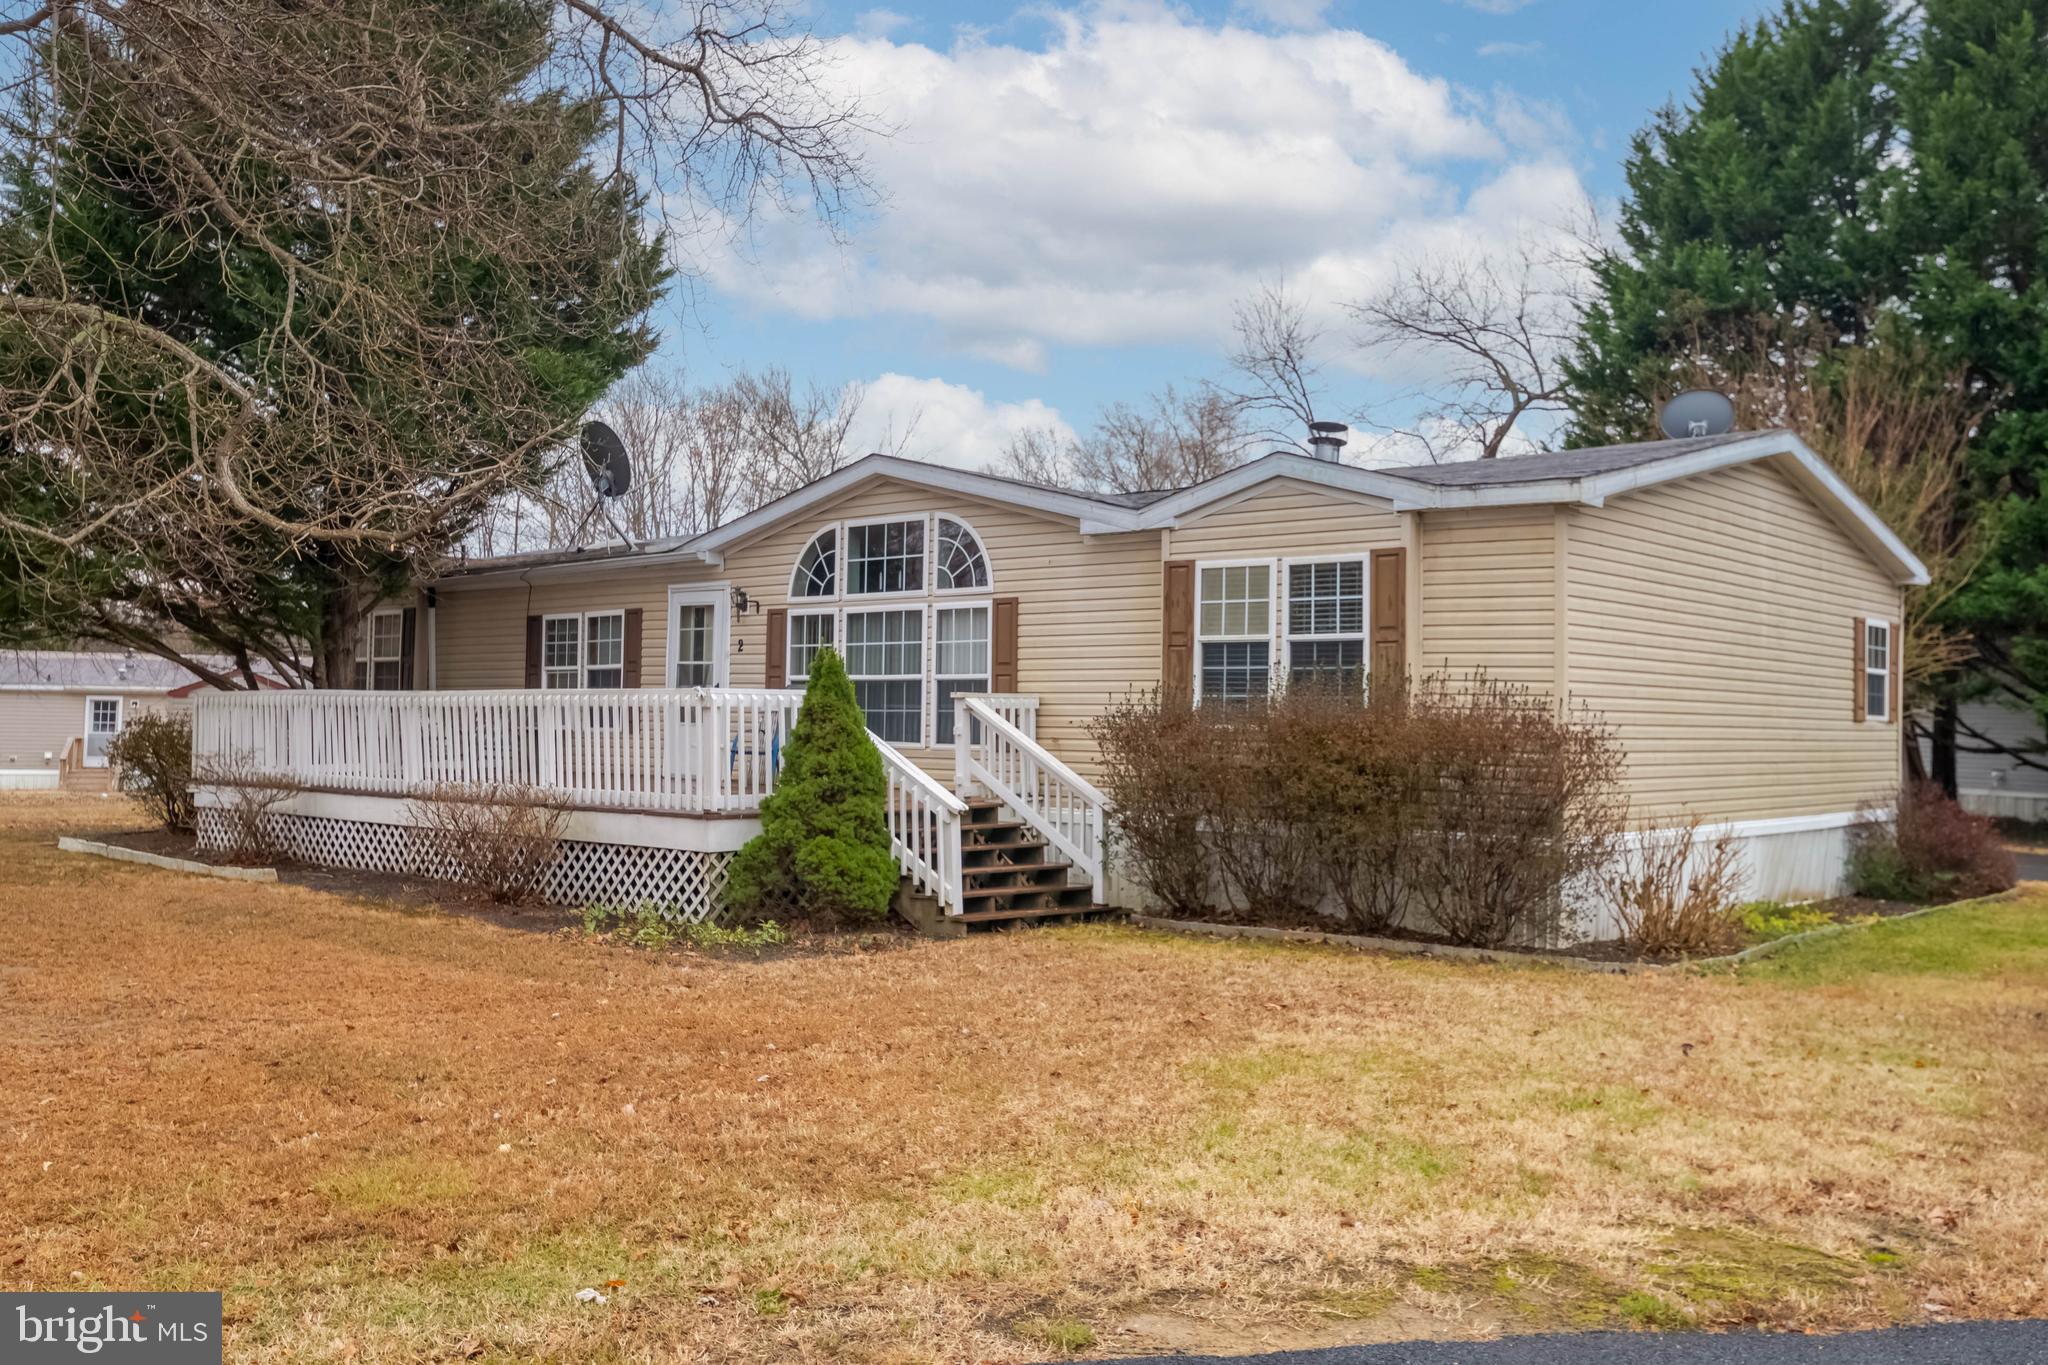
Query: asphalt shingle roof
x=1560, y=464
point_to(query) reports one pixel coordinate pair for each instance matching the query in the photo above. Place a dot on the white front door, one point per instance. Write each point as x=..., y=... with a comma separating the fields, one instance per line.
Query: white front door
x=102, y=723
x=697, y=637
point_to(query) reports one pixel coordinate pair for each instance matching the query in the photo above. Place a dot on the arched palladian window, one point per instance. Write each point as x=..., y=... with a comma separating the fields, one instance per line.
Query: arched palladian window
x=816, y=567
x=961, y=563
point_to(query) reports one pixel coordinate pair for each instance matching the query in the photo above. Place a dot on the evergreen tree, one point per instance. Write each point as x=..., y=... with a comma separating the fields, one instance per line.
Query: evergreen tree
x=1975, y=101
x=1749, y=209
x=823, y=848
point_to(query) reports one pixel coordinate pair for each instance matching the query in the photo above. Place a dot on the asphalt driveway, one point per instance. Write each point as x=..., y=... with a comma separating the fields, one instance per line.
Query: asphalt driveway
x=1960, y=1343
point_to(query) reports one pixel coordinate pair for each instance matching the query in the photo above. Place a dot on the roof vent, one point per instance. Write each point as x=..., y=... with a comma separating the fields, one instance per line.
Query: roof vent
x=1326, y=440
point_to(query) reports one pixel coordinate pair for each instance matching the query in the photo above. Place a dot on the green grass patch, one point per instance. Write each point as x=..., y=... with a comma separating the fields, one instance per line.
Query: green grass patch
x=1767, y=920
x=397, y=1183
x=1727, y=1272
x=1641, y=1309
x=1063, y=1334
x=1984, y=938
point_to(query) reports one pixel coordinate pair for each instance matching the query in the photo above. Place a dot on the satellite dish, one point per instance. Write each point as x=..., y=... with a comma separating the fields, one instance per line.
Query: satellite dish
x=611, y=469
x=1697, y=412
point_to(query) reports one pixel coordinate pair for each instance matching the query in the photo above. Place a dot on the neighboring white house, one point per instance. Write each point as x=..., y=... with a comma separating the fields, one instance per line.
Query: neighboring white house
x=59, y=708
x=1998, y=784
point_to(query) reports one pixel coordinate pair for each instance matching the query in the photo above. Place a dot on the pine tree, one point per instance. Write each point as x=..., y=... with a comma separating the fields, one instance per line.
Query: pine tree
x=823, y=849
x=1748, y=209
x=1975, y=102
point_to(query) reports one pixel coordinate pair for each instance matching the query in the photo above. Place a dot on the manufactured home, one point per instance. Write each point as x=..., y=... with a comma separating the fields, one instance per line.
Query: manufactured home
x=61, y=708
x=1726, y=603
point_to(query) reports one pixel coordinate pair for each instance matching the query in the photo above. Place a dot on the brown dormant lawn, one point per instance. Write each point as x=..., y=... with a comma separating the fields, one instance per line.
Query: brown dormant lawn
x=397, y=1136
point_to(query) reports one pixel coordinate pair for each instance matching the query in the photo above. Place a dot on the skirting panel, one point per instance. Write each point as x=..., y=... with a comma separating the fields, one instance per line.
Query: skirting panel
x=2006, y=805
x=688, y=884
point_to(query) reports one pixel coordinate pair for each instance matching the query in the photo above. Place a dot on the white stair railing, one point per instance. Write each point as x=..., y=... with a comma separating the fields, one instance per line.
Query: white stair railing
x=992, y=753
x=924, y=828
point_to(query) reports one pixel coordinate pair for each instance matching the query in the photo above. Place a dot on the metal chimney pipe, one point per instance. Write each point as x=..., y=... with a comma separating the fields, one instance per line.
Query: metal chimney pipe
x=1326, y=440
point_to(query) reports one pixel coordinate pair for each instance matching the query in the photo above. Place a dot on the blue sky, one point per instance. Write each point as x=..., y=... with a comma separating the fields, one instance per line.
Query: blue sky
x=1074, y=196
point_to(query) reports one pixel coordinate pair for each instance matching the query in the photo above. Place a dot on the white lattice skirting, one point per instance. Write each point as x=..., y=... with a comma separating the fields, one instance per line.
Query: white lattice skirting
x=684, y=873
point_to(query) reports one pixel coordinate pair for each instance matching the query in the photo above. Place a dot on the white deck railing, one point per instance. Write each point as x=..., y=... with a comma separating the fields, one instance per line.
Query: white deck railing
x=692, y=750
x=992, y=752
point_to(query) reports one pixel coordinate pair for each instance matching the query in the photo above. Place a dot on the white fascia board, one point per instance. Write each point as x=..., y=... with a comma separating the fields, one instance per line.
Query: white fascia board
x=1322, y=473
x=1095, y=518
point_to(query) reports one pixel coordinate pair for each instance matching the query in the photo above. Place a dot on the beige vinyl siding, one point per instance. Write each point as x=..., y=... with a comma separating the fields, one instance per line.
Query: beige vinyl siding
x=35, y=723
x=480, y=633
x=1286, y=519
x=1087, y=609
x=1489, y=595
x=1711, y=621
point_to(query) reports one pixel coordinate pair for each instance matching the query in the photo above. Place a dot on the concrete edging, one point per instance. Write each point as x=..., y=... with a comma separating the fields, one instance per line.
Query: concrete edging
x=1410, y=948
x=135, y=855
x=1401, y=946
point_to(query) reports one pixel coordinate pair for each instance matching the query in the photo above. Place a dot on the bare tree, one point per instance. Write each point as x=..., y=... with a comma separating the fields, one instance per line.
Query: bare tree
x=1176, y=439
x=1274, y=359
x=795, y=437
x=1488, y=335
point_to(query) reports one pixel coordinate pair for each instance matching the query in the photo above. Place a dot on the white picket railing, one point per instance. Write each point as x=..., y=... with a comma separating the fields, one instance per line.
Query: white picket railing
x=924, y=828
x=992, y=752
x=696, y=750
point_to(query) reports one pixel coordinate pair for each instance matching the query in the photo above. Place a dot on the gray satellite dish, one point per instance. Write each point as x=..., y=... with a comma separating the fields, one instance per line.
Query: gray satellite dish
x=1697, y=412
x=611, y=469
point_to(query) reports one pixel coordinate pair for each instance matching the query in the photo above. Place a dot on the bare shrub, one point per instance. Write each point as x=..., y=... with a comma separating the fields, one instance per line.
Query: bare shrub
x=1476, y=803
x=1523, y=798
x=501, y=838
x=153, y=754
x=246, y=799
x=1152, y=771
x=1929, y=849
x=1674, y=893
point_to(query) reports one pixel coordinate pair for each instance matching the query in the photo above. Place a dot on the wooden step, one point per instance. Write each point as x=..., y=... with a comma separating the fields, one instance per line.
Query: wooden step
x=1006, y=897
x=971, y=918
x=1039, y=873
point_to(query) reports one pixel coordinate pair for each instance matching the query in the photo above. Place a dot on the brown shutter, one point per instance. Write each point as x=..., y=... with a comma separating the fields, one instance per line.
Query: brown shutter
x=1860, y=660
x=1390, y=615
x=634, y=617
x=1003, y=646
x=778, y=647
x=533, y=651
x=408, y=651
x=1897, y=640
x=1177, y=633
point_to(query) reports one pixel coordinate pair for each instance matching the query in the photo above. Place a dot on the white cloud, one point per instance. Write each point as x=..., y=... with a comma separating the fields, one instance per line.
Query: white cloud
x=1128, y=182
x=947, y=423
x=1496, y=6
x=879, y=23
x=1530, y=49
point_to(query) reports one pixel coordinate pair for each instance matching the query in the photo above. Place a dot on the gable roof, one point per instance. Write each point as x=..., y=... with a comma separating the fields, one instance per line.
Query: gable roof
x=108, y=670
x=1587, y=476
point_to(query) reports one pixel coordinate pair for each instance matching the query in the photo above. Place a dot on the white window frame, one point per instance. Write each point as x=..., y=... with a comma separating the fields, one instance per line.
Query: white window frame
x=987, y=564
x=1891, y=638
x=718, y=597
x=582, y=620
x=922, y=677
x=87, y=732
x=1286, y=636
x=987, y=607
x=789, y=641
x=930, y=599
x=1271, y=637
x=366, y=652
x=844, y=563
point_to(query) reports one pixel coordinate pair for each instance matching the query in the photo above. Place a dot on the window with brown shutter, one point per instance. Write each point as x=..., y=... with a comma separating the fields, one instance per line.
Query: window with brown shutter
x=777, y=662
x=533, y=651
x=1390, y=615
x=1177, y=632
x=408, y=646
x=635, y=617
